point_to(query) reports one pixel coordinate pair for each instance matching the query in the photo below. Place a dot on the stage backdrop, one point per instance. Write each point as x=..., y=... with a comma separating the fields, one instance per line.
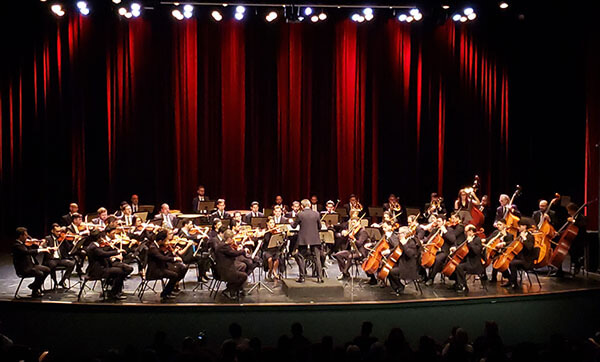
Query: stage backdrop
x=96, y=108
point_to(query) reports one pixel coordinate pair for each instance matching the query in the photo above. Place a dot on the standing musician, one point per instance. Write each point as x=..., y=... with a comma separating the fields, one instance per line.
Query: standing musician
x=463, y=204
x=295, y=210
x=397, y=211
x=434, y=207
x=226, y=253
x=67, y=219
x=505, y=207
x=135, y=203
x=548, y=214
x=355, y=250
x=220, y=213
x=526, y=258
x=54, y=259
x=279, y=202
x=442, y=255
x=25, y=263
x=163, y=263
x=488, y=214
x=505, y=239
x=471, y=264
x=253, y=212
x=200, y=197
x=169, y=221
x=308, y=241
x=271, y=255
x=99, y=253
x=576, y=250
x=406, y=268
x=314, y=204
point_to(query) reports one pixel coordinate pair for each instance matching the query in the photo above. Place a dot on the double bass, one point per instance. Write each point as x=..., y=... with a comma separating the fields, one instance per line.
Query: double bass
x=512, y=221
x=543, y=236
x=477, y=217
x=568, y=232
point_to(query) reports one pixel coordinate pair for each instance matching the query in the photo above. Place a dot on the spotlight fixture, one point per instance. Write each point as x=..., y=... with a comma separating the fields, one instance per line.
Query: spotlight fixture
x=187, y=11
x=239, y=12
x=468, y=14
x=503, y=5
x=308, y=11
x=216, y=15
x=271, y=16
x=122, y=11
x=368, y=14
x=445, y=7
x=357, y=18
x=322, y=16
x=314, y=18
x=136, y=9
x=116, y=1
x=128, y=15
x=177, y=14
x=57, y=9
x=468, y=11
x=239, y=16
x=83, y=7
x=456, y=17
x=413, y=15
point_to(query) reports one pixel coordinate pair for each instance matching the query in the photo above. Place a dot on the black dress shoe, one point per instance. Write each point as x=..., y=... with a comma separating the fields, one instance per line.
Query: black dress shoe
x=320, y=280
x=484, y=277
x=372, y=281
x=462, y=289
x=300, y=280
x=493, y=280
x=164, y=297
x=36, y=294
x=506, y=285
x=399, y=290
x=429, y=282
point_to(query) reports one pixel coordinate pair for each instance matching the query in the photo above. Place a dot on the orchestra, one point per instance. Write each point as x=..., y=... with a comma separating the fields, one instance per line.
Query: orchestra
x=395, y=249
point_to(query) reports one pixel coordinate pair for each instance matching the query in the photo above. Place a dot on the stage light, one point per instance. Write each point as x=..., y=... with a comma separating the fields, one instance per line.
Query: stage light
x=503, y=5
x=116, y=1
x=188, y=8
x=355, y=17
x=239, y=16
x=409, y=19
x=445, y=7
x=57, y=9
x=177, y=14
x=271, y=16
x=463, y=19
x=472, y=16
x=128, y=15
x=413, y=15
x=216, y=15
x=413, y=12
x=122, y=11
x=418, y=16
x=368, y=14
x=314, y=18
x=135, y=6
x=135, y=13
x=456, y=17
x=81, y=5
x=468, y=11
x=308, y=11
x=402, y=17
x=240, y=9
x=84, y=11
x=322, y=16
x=187, y=14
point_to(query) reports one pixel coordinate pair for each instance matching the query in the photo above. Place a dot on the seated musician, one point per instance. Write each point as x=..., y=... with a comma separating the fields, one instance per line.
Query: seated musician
x=549, y=215
x=355, y=250
x=419, y=231
x=471, y=263
x=114, y=238
x=314, y=204
x=271, y=255
x=442, y=254
x=127, y=216
x=200, y=197
x=141, y=235
x=396, y=210
x=505, y=239
x=525, y=259
x=236, y=221
x=99, y=253
x=225, y=256
x=576, y=250
x=278, y=217
x=162, y=263
x=119, y=213
x=135, y=203
x=220, y=213
x=295, y=210
x=54, y=259
x=505, y=207
x=354, y=207
x=253, y=212
x=407, y=266
x=77, y=227
x=279, y=202
x=169, y=221
x=67, y=219
x=434, y=207
x=101, y=219
x=25, y=263
x=329, y=208
x=197, y=252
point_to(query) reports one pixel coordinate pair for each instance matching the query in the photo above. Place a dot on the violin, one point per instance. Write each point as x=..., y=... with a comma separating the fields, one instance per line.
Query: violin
x=31, y=242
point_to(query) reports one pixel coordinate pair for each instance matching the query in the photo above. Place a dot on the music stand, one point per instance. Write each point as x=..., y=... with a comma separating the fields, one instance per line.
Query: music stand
x=276, y=241
x=331, y=219
x=268, y=212
x=374, y=233
x=77, y=245
x=327, y=237
x=205, y=206
x=376, y=211
x=141, y=215
x=342, y=211
x=147, y=208
x=258, y=222
x=226, y=222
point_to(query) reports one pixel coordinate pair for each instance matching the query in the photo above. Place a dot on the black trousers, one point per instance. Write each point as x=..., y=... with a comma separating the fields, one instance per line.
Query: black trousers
x=345, y=259
x=515, y=265
x=461, y=273
x=174, y=273
x=304, y=251
x=394, y=278
x=67, y=263
x=115, y=276
x=440, y=261
x=40, y=273
x=235, y=280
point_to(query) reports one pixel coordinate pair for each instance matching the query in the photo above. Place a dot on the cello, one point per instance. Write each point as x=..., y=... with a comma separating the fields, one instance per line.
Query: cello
x=456, y=258
x=373, y=260
x=512, y=221
x=390, y=262
x=503, y=261
x=492, y=248
x=431, y=248
x=568, y=232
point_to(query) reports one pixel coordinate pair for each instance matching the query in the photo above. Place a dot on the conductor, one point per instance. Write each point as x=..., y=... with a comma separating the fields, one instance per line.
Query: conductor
x=308, y=241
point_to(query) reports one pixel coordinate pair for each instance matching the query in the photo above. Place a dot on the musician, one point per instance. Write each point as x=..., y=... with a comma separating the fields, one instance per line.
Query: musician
x=419, y=231
x=295, y=210
x=216, y=225
x=25, y=263
x=442, y=254
x=127, y=216
x=169, y=221
x=143, y=235
x=308, y=241
x=526, y=258
x=52, y=260
x=314, y=204
x=225, y=256
x=101, y=219
x=271, y=255
x=548, y=214
x=236, y=221
x=220, y=213
x=278, y=217
x=505, y=239
x=197, y=251
x=576, y=250
x=99, y=253
x=119, y=213
x=434, y=207
x=114, y=238
x=406, y=268
x=354, y=207
x=162, y=263
x=135, y=203
x=463, y=204
x=471, y=264
x=505, y=207
x=200, y=197
x=488, y=214
x=397, y=211
x=355, y=249
x=279, y=202
x=253, y=212
x=78, y=228
x=67, y=219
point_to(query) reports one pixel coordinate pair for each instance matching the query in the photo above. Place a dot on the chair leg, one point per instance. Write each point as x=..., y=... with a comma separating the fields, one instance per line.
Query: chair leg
x=81, y=289
x=537, y=278
x=418, y=287
x=528, y=279
x=142, y=289
x=18, y=287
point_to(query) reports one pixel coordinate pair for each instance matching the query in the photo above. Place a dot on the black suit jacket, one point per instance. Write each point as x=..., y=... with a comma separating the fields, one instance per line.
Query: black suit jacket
x=157, y=262
x=248, y=217
x=66, y=220
x=473, y=258
x=23, y=257
x=500, y=213
x=537, y=215
x=196, y=201
x=98, y=259
x=215, y=215
x=282, y=220
x=528, y=254
x=310, y=224
x=225, y=258
x=171, y=217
